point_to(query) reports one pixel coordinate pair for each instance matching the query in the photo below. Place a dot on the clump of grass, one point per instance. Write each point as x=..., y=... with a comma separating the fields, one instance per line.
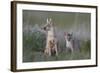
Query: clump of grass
x=86, y=49
x=32, y=42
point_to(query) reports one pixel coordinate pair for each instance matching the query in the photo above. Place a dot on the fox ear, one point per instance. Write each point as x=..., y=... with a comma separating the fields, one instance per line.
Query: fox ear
x=47, y=20
x=50, y=19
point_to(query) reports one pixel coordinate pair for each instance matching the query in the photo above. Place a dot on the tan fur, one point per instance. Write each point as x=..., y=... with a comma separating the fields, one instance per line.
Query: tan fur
x=52, y=47
x=50, y=40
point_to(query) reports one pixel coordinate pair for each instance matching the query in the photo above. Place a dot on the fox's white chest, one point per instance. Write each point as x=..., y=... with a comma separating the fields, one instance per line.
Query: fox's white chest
x=68, y=44
x=50, y=35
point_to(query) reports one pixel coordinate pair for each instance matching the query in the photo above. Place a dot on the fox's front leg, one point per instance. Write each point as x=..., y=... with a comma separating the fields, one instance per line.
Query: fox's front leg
x=56, y=50
x=72, y=49
x=49, y=51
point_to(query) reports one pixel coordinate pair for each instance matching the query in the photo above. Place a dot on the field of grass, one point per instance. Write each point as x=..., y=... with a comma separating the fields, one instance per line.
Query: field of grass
x=34, y=45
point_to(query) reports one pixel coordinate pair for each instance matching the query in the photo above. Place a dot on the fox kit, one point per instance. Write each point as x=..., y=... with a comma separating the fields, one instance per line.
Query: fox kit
x=69, y=41
x=51, y=46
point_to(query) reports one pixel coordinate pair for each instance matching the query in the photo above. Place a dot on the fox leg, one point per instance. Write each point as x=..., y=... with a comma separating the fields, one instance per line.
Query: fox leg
x=56, y=50
x=72, y=49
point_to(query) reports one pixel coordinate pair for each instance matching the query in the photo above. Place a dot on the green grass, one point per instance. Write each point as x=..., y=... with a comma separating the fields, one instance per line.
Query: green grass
x=34, y=44
x=35, y=56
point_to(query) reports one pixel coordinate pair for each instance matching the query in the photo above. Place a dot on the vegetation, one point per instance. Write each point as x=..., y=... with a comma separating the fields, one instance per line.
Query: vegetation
x=34, y=45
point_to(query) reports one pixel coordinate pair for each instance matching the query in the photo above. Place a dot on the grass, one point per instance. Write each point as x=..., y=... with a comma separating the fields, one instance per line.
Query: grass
x=34, y=44
x=35, y=56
